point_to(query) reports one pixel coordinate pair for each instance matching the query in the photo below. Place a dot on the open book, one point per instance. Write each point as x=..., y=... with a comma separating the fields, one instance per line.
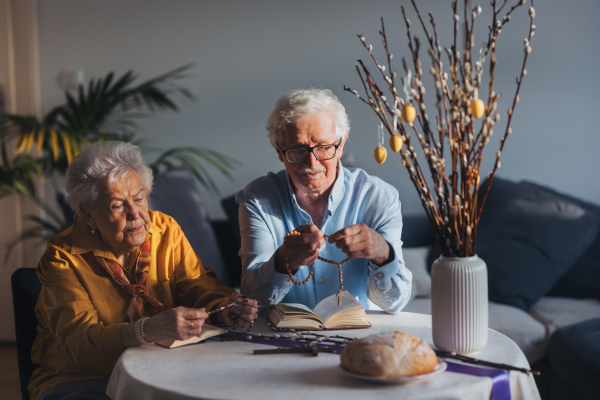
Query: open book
x=207, y=331
x=326, y=315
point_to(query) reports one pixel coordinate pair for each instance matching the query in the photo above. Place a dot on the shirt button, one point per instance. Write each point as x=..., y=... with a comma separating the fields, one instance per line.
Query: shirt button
x=379, y=274
x=306, y=222
x=321, y=280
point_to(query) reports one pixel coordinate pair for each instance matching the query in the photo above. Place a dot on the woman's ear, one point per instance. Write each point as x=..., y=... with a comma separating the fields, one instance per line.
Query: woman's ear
x=88, y=218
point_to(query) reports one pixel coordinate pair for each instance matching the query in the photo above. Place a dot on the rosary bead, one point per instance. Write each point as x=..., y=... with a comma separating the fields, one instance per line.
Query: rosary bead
x=312, y=267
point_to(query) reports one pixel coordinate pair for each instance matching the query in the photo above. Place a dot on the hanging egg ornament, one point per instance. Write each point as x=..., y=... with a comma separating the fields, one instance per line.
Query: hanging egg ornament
x=380, y=154
x=409, y=113
x=396, y=142
x=477, y=108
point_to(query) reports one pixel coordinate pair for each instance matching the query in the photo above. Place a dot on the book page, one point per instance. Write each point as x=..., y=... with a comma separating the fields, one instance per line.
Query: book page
x=294, y=308
x=207, y=331
x=329, y=306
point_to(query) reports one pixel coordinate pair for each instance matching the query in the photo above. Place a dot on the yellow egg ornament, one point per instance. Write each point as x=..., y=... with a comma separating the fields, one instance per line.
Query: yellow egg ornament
x=409, y=113
x=477, y=108
x=380, y=154
x=396, y=142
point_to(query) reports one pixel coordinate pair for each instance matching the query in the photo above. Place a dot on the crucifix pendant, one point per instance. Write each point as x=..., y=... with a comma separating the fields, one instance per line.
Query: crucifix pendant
x=339, y=296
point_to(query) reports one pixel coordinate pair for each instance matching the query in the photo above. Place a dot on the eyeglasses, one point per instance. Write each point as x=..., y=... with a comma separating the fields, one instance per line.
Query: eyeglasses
x=300, y=154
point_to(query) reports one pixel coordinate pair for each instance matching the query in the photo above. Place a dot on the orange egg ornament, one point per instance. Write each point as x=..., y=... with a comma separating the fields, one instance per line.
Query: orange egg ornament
x=477, y=108
x=396, y=142
x=380, y=154
x=409, y=113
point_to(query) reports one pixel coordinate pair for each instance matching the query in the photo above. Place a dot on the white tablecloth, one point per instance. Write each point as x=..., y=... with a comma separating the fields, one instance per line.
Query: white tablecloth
x=229, y=370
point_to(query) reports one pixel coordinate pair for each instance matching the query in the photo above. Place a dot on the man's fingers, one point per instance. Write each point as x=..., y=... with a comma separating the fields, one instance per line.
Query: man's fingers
x=307, y=229
x=346, y=232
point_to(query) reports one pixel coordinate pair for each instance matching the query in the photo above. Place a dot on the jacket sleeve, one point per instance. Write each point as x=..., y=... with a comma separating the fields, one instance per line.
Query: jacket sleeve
x=66, y=310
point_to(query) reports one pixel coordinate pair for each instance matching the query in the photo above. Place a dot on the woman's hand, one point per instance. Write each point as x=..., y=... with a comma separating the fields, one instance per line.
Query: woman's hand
x=178, y=323
x=302, y=249
x=242, y=314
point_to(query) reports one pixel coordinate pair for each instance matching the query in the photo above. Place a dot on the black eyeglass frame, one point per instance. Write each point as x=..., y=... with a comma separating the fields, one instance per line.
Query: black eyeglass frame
x=310, y=150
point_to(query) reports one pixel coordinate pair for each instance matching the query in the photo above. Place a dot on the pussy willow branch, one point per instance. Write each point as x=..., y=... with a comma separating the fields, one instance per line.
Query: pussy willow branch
x=510, y=112
x=457, y=213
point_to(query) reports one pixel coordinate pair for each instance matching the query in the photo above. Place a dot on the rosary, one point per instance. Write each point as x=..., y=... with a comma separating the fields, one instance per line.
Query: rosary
x=312, y=268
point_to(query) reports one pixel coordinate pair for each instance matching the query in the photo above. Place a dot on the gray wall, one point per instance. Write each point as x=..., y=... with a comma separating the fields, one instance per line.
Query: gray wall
x=247, y=53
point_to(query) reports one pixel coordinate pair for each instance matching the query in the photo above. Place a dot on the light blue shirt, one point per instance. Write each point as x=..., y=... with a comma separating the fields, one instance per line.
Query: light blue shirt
x=269, y=210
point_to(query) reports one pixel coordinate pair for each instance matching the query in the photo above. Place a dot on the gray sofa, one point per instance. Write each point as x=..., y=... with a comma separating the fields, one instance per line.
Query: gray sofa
x=531, y=237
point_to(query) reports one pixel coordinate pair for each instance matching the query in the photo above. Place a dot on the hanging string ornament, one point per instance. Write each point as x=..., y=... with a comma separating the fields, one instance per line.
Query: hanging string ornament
x=408, y=111
x=477, y=106
x=339, y=294
x=396, y=140
x=380, y=151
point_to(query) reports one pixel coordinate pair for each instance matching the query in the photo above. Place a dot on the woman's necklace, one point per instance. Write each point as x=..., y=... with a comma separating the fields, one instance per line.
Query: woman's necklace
x=339, y=294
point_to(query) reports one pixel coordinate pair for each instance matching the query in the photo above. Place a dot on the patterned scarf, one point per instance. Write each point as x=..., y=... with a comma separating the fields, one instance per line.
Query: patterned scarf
x=142, y=304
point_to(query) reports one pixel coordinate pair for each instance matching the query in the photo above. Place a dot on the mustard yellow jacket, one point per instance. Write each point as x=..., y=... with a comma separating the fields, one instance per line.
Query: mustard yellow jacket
x=81, y=310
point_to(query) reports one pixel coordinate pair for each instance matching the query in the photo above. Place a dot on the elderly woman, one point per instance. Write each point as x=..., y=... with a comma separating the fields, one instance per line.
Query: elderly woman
x=340, y=213
x=120, y=276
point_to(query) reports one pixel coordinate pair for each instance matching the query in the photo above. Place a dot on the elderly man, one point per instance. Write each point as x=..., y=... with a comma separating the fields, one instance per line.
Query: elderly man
x=339, y=212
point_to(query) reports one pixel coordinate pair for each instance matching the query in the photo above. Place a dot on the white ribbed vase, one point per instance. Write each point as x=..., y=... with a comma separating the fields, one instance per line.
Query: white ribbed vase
x=459, y=304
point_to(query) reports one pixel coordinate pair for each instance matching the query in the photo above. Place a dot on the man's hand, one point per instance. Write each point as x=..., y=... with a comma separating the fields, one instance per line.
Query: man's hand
x=302, y=249
x=360, y=241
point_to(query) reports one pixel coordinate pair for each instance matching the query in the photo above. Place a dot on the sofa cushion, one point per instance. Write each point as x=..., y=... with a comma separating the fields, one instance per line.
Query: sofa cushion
x=574, y=353
x=232, y=210
x=529, y=238
x=528, y=333
x=556, y=312
x=175, y=193
x=582, y=280
x=415, y=260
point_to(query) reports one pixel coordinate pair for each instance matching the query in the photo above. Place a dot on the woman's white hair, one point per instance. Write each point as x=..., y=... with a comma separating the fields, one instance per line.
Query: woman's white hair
x=299, y=103
x=103, y=162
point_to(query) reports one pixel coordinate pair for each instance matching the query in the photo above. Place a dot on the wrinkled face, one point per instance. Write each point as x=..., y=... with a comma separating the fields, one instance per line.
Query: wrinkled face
x=313, y=130
x=121, y=214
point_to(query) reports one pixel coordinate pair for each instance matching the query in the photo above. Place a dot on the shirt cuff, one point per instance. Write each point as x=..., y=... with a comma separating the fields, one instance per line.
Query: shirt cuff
x=383, y=274
x=273, y=277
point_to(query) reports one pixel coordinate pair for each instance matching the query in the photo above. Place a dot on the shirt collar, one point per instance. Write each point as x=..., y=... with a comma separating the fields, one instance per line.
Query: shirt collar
x=83, y=240
x=338, y=187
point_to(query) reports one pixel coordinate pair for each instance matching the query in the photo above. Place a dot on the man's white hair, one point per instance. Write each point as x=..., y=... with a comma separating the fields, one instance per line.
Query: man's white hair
x=100, y=162
x=299, y=103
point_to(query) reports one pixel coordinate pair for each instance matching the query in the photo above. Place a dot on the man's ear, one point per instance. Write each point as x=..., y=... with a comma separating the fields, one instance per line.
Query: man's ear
x=341, y=148
x=88, y=218
x=280, y=155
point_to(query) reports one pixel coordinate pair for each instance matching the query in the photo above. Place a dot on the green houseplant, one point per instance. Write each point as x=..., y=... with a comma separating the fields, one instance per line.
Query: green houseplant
x=105, y=109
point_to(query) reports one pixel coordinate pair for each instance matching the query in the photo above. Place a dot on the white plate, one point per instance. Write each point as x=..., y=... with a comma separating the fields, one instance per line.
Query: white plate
x=439, y=368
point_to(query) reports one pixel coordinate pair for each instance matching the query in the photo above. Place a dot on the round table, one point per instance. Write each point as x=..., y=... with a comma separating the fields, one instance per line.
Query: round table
x=230, y=370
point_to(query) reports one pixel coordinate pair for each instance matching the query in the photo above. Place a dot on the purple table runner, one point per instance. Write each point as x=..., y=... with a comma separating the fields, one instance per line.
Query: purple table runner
x=500, y=381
